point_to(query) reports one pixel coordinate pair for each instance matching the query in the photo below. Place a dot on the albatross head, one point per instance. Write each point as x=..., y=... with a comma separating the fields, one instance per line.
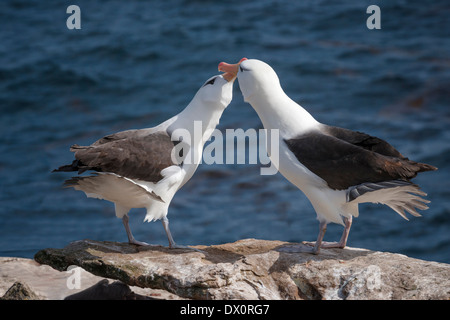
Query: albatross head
x=217, y=90
x=255, y=77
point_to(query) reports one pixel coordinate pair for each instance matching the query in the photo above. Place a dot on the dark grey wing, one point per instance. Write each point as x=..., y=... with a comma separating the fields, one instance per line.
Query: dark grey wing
x=363, y=140
x=117, y=136
x=342, y=164
x=129, y=155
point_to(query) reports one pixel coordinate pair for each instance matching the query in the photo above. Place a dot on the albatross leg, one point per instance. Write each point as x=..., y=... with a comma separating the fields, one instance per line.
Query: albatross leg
x=305, y=247
x=342, y=242
x=131, y=239
x=172, y=243
x=165, y=223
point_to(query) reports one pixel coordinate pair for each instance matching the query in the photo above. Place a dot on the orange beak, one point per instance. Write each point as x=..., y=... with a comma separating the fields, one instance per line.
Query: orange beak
x=230, y=70
x=229, y=76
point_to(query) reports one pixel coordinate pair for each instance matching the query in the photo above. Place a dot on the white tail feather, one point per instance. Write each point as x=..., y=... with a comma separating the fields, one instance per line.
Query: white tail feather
x=114, y=188
x=399, y=195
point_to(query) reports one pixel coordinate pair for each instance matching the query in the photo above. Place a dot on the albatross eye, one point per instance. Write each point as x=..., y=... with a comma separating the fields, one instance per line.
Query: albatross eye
x=210, y=81
x=243, y=69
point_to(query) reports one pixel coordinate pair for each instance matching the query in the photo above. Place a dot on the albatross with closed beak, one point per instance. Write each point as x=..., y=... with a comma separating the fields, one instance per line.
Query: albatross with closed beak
x=145, y=168
x=336, y=168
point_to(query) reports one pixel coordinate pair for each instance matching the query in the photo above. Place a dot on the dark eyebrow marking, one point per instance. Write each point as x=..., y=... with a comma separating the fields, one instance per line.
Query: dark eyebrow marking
x=210, y=81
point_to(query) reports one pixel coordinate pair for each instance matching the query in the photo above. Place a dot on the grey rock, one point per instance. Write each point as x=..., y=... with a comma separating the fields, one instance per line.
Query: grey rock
x=50, y=284
x=254, y=269
x=20, y=291
x=104, y=290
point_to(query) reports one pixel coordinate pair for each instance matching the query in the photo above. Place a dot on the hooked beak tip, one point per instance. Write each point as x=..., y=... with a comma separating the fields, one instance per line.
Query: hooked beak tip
x=221, y=66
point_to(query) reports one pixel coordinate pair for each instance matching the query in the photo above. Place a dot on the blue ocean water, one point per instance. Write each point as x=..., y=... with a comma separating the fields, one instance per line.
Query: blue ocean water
x=134, y=64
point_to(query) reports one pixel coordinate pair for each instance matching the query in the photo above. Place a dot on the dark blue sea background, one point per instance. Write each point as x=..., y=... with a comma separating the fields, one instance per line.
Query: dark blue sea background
x=135, y=64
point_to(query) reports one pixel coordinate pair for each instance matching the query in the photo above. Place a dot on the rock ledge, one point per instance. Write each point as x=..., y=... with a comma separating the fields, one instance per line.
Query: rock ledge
x=254, y=269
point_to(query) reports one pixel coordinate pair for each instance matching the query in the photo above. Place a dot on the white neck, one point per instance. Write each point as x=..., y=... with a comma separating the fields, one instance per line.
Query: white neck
x=194, y=125
x=200, y=119
x=278, y=111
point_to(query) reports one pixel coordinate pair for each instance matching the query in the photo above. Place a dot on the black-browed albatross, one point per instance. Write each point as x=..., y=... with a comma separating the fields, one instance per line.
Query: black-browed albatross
x=336, y=168
x=145, y=168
